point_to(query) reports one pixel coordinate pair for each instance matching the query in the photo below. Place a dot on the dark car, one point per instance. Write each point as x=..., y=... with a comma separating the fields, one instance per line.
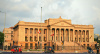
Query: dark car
x=49, y=49
x=90, y=50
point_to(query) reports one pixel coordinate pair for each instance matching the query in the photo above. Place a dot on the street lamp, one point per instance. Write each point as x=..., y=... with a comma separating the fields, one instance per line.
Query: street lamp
x=4, y=28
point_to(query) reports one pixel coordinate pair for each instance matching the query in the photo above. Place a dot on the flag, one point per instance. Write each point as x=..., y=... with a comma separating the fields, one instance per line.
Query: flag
x=52, y=35
x=39, y=31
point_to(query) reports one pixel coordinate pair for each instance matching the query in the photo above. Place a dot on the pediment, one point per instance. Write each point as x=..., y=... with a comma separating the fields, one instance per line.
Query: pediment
x=62, y=23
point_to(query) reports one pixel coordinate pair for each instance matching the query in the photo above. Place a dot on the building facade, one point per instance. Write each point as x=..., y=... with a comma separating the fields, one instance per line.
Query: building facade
x=8, y=36
x=55, y=30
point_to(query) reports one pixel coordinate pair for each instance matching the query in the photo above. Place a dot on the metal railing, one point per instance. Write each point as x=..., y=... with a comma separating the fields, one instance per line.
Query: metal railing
x=55, y=47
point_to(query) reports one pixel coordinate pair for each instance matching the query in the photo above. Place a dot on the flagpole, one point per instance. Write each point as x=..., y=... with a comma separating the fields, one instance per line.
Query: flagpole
x=41, y=28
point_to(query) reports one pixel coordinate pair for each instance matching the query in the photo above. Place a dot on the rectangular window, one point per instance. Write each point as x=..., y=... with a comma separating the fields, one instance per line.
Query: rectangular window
x=31, y=39
x=30, y=31
x=35, y=38
x=35, y=31
x=26, y=39
x=83, y=40
x=26, y=45
x=26, y=30
x=44, y=38
x=36, y=46
x=31, y=45
x=44, y=31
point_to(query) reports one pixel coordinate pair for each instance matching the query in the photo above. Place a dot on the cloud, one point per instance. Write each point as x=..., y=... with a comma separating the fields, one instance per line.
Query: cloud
x=21, y=7
x=15, y=0
x=97, y=10
x=79, y=11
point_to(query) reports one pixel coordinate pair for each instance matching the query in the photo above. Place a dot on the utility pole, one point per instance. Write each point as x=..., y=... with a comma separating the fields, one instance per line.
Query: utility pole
x=4, y=28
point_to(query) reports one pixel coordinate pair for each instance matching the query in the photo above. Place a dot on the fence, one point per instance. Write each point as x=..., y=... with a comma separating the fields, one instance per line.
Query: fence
x=55, y=47
x=74, y=48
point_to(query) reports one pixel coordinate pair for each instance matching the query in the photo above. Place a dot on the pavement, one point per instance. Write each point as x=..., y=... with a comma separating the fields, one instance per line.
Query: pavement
x=62, y=51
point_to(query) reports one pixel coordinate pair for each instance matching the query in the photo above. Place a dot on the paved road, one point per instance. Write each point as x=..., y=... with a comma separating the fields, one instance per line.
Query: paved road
x=43, y=53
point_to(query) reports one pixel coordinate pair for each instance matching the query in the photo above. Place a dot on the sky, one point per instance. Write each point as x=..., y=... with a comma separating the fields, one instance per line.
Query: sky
x=82, y=12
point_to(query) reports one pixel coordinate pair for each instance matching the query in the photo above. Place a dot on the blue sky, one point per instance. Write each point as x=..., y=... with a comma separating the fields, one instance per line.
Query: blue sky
x=85, y=12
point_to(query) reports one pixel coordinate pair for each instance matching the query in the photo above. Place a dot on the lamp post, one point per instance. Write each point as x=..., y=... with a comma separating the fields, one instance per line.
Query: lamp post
x=4, y=28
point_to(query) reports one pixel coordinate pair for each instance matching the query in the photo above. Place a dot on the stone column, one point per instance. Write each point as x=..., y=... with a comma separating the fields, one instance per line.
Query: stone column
x=33, y=34
x=73, y=35
x=53, y=31
x=29, y=35
x=59, y=34
x=81, y=36
x=85, y=36
x=77, y=35
x=69, y=34
x=47, y=35
x=38, y=35
x=55, y=36
x=64, y=34
x=50, y=34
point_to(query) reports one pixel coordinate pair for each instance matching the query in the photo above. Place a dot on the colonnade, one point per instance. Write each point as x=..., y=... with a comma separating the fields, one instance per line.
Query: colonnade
x=60, y=34
x=69, y=35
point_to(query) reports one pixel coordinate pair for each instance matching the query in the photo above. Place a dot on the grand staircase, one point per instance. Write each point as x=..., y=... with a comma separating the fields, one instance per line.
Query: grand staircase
x=69, y=46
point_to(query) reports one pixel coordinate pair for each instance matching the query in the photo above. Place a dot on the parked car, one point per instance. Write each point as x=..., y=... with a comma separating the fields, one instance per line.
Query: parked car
x=49, y=49
x=16, y=49
x=90, y=50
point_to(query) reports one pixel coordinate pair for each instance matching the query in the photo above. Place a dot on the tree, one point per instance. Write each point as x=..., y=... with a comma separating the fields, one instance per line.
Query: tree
x=1, y=38
x=95, y=39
